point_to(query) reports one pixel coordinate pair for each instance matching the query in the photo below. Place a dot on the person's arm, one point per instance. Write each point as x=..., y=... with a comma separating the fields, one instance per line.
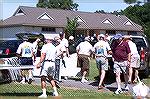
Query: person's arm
x=41, y=60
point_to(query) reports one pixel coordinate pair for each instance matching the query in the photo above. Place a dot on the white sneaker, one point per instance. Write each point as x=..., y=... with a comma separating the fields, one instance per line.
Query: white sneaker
x=65, y=78
x=55, y=93
x=126, y=88
x=23, y=82
x=84, y=81
x=118, y=91
x=42, y=96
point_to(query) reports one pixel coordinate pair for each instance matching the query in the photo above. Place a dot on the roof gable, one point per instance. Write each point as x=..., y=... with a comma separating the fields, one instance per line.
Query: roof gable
x=79, y=19
x=107, y=21
x=128, y=23
x=19, y=12
x=45, y=16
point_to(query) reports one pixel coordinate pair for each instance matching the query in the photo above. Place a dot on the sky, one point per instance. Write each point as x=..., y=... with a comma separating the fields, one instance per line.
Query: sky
x=8, y=7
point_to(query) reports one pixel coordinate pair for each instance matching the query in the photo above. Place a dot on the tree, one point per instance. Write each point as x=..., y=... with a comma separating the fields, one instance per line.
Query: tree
x=130, y=1
x=71, y=26
x=140, y=15
x=58, y=4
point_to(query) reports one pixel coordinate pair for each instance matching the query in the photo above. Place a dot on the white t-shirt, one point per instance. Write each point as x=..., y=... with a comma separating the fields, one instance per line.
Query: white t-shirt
x=64, y=42
x=35, y=47
x=101, y=48
x=50, y=51
x=59, y=49
x=84, y=48
x=25, y=49
x=133, y=48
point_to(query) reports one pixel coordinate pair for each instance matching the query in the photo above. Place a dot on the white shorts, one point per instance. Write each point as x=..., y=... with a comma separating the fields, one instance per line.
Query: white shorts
x=48, y=69
x=135, y=62
x=120, y=67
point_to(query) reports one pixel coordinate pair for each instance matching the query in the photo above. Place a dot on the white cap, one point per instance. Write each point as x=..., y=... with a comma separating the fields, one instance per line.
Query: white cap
x=71, y=37
x=47, y=36
x=86, y=38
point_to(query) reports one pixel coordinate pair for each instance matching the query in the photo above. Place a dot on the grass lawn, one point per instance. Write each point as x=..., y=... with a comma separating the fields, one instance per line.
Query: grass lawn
x=19, y=91
x=26, y=91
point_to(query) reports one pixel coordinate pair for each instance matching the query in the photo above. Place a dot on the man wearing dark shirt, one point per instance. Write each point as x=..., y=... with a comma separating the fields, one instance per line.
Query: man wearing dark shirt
x=121, y=54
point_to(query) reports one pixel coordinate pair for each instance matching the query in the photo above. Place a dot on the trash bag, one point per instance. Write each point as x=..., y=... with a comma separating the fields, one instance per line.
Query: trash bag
x=141, y=89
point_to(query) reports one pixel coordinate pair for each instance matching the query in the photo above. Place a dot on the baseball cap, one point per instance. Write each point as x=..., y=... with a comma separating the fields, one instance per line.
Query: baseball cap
x=86, y=38
x=71, y=37
x=117, y=36
x=48, y=37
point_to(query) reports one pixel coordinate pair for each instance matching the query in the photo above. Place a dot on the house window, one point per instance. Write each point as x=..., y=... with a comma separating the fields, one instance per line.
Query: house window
x=48, y=29
x=132, y=33
x=111, y=32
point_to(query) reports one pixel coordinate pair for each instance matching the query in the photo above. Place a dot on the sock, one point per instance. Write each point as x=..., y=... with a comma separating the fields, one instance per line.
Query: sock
x=44, y=91
x=54, y=88
x=119, y=86
x=83, y=77
x=30, y=74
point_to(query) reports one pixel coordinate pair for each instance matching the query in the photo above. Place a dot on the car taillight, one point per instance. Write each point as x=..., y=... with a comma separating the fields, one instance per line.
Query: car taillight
x=7, y=51
x=142, y=54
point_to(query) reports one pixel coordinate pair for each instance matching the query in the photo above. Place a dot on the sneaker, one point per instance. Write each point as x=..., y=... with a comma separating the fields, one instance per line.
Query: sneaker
x=23, y=82
x=55, y=93
x=84, y=81
x=65, y=78
x=42, y=96
x=30, y=81
x=126, y=88
x=118, y=91
x=100, y=87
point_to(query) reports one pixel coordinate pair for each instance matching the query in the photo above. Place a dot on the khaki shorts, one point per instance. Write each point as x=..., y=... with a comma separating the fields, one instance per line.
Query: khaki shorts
x=120, y=67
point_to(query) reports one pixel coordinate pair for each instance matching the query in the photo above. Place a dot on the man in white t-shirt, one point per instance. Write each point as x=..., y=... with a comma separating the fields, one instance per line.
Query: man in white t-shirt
x=84, y=51
x=59, y=62
x=101, y=50
x=135, y=60
x=25, y=54
x=47, y=64
x=35, y=46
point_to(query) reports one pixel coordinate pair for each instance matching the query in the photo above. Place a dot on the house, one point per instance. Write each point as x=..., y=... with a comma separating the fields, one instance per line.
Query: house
x=53, y=21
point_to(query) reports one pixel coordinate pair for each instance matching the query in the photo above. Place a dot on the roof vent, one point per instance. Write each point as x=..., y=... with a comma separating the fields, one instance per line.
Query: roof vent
x=128, y=23
x=19, y=12
x=107, y=21
x=45, y=16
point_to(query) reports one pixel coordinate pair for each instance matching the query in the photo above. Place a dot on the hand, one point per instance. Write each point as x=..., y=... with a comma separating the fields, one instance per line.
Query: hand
x=128, y=63
x=38, y=65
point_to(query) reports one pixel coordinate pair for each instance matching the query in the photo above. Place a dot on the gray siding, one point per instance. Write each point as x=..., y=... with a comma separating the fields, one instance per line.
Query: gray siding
x=7, y=33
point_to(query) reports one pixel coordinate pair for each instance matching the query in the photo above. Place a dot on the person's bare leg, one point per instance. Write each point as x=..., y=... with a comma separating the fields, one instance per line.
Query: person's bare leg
x=102, y=76
x=118, y=80
x=53, y=83
x=43, y=86
x=130, y=74
x=83, y=80
x=136, y=75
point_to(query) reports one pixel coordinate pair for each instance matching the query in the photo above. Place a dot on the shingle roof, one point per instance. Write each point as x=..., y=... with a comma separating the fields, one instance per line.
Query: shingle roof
x=91, y=20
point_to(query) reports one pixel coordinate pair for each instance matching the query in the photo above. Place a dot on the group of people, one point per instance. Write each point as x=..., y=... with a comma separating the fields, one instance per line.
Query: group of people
x=123, y=50
x=124, y=55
